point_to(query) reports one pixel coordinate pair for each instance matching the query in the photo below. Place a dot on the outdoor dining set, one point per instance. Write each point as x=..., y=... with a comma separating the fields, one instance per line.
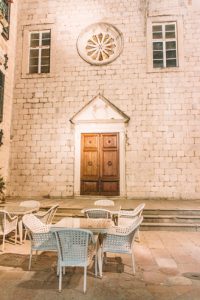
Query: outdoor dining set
x=77, y=241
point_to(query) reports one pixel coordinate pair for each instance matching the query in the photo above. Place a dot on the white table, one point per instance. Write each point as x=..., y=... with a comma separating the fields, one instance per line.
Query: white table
x=97, y=226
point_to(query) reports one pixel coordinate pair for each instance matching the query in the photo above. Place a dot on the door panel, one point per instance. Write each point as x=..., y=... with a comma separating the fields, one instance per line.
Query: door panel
x=109, y=140
x=90, y=187
x=100, y=164
x=110, y=188
x=90, y=164
x=110, y=163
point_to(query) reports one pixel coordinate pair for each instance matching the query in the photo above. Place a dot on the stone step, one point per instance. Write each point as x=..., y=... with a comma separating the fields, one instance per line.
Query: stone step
x=195, y=212
x=171, y=219
x=169, y=227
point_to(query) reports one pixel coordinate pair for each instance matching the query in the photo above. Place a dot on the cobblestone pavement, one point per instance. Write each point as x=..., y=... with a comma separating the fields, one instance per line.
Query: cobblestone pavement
x=161, y=258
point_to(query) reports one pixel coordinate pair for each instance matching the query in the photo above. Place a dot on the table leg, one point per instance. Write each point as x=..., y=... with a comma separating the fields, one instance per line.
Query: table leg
x=20, y=229
x=99, y=258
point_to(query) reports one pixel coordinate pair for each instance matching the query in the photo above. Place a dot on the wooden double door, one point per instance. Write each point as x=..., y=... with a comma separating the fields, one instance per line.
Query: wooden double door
x=100, y=164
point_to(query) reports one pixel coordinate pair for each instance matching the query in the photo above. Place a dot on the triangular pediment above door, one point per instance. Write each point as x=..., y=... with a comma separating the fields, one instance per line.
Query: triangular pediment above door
x=99, y=109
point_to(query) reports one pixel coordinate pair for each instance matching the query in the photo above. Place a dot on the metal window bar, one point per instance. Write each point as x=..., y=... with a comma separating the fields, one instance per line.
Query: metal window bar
x=5, y=11
x=2, y=81
x=4, y=7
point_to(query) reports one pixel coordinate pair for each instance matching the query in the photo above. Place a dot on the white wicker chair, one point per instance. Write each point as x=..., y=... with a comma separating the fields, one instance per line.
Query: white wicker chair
x=7, y=225
x=76, y=247
x=104, y=202
x=30, y=204
x=121, y=239
x=47, y=216
x=42, y=239
x=126, y=217
x=97, y=213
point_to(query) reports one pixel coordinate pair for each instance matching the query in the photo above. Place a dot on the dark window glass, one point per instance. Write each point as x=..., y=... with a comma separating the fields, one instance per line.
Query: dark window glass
x=45, y=61
x=45, y=52
x=170, y=27
x=33, y=69
x=45, y=69
x=170, y=35
x=171, y=54
x=46, y=37
x=157, y=55
x=34, y=61
x=158, y=64
x=157, y=46
x=34, y=40
x=157, y=28
x=2, y=80
x=171, y=63
x=170, y=45
x=157, y=32
x=170, y=31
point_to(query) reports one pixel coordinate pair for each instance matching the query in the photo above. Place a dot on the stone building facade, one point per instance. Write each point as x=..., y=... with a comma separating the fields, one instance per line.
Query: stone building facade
x=142, y=85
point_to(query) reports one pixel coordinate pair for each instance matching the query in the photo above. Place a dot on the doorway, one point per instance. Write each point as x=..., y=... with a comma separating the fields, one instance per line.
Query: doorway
x=100, y=164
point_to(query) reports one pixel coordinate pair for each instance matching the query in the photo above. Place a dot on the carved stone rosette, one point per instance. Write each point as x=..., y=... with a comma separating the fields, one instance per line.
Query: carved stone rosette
x=100, y=43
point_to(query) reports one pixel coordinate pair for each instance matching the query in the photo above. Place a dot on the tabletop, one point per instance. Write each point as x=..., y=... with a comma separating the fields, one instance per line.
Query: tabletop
x=19, y=210
x=95, y=225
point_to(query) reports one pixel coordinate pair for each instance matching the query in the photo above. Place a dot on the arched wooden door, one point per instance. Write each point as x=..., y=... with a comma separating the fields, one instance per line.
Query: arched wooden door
x=100, y=164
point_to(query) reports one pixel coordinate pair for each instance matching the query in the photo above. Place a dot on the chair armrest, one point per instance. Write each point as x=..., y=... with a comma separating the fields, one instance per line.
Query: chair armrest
x=128, y=213
x=118, y=231
x=12, y=218
x=40, y=213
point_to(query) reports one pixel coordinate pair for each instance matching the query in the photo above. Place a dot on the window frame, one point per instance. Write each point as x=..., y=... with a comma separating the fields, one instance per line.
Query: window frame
x=164, y=41
x=27, y=29
x=163, y=20
x=40, y=47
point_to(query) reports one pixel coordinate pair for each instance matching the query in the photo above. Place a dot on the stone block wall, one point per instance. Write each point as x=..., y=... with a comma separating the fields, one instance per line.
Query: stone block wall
x=163, y=137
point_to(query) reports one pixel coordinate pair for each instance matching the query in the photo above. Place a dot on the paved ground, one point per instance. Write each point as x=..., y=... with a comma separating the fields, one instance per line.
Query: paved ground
x=161, y=258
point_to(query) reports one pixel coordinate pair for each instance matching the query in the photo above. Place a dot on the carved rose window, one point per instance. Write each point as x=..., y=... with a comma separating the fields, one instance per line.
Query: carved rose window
x=100, y=43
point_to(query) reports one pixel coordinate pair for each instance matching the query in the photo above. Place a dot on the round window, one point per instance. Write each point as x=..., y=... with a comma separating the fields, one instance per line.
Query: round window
x=100, y=43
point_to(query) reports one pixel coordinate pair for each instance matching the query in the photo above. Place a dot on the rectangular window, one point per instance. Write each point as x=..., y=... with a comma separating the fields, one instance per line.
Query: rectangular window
x=39, y=55
x=2, y=80
x=5, y=11
x=164, y=45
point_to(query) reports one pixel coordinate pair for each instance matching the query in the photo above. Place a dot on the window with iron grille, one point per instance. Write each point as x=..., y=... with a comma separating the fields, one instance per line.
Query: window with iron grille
x=2, y=80
x=39, y=55
x=5, y=10
x=164, y=45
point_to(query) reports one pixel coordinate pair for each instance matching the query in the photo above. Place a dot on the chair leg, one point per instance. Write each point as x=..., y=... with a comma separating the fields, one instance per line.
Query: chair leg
x=60, y=278
x=30, y=258
x=133, y=262
x=58, y=268
x=138, y=236
x=25, y=234
x=95, y=264
x=85, y=279
x=15, y=236
x=3, y=243
x=105, y=258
